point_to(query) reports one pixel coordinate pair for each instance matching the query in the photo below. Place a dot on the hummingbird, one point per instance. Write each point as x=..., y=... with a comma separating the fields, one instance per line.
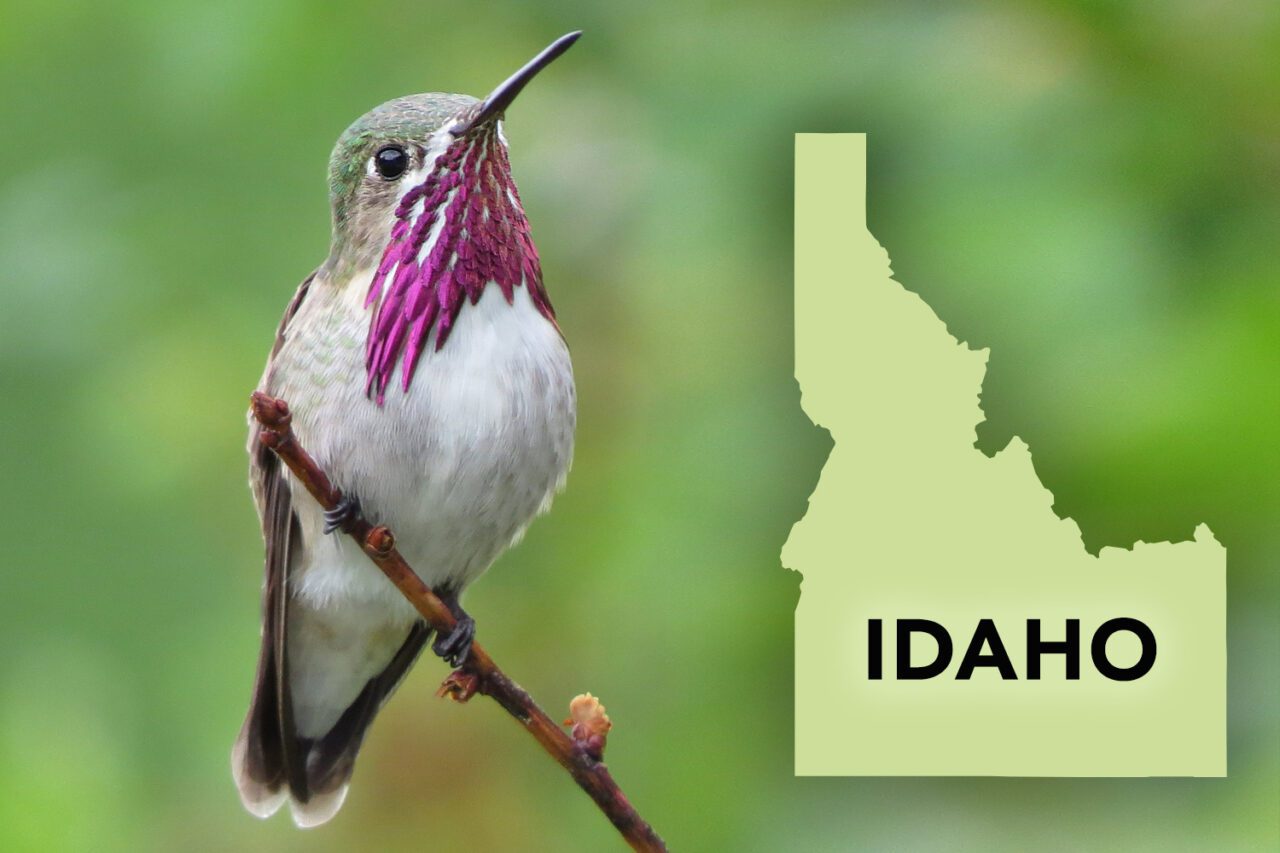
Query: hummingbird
x=428, y=377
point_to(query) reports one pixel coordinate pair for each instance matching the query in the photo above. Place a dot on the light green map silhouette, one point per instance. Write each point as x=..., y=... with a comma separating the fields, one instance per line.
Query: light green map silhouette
x=909, y=520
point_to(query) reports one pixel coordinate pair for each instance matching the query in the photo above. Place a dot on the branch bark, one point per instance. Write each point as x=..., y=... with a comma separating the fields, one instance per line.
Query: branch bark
x=478, y=673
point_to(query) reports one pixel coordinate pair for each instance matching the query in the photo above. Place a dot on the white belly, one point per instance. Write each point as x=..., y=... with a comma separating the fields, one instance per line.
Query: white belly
x=457, y=466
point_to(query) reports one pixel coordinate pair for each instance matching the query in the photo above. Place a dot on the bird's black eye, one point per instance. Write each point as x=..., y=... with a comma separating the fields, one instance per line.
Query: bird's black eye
x=391, y=161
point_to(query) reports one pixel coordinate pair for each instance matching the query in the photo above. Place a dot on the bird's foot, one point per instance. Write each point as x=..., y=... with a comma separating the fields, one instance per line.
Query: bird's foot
x=455, y=646
x=341, y=516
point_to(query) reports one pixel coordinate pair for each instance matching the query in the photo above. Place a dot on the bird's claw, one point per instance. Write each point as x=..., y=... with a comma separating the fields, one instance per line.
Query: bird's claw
x=341, y=516
x=456, y=645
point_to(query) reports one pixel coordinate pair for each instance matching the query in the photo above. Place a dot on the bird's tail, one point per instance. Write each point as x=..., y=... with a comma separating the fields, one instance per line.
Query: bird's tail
x=272, y=763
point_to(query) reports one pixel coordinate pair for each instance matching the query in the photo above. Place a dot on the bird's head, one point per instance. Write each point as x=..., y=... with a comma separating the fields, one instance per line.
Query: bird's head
x=421, y=191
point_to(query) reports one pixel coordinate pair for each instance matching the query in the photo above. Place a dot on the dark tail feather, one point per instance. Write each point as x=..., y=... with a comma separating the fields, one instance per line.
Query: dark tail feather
x=330, y=758
x=257, y=759
x=271, y=763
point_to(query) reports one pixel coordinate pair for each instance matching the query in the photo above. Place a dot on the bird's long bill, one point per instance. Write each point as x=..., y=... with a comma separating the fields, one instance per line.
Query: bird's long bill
x=500, y=98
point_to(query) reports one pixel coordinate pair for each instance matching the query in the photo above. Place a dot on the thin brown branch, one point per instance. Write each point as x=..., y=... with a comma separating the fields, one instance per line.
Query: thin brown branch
x=478, y=674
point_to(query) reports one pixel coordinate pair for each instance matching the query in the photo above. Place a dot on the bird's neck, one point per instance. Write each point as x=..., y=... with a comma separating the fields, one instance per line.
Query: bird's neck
x=460, y=230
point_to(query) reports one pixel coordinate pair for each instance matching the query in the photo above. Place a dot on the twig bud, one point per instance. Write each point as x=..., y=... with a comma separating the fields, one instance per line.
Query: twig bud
x=590, y=724
x=380, y=540
x=459, y=686
x=272, y=412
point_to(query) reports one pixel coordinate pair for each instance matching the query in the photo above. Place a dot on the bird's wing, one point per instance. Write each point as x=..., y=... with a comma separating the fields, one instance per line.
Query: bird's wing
x=263, y=464
x=271, y=761
x=265, y=752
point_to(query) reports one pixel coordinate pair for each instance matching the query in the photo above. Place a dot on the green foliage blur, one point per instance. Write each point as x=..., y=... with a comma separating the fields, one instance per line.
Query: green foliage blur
x=1087, y=188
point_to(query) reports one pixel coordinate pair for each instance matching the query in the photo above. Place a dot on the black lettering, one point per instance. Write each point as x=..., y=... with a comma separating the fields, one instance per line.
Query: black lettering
x=875, y=650
x=906, y=627
x=1037, y=647
x=1098, y=649
x=986, y=634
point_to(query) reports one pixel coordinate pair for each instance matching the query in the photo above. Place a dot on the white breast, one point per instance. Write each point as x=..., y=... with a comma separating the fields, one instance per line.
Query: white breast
x=457, y=466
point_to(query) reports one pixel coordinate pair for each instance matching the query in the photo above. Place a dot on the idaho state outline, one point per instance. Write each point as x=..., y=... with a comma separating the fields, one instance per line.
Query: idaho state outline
x=910, y=521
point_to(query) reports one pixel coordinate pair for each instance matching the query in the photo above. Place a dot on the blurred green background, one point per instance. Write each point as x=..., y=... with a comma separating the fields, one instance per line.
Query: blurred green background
x=1090, y=189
